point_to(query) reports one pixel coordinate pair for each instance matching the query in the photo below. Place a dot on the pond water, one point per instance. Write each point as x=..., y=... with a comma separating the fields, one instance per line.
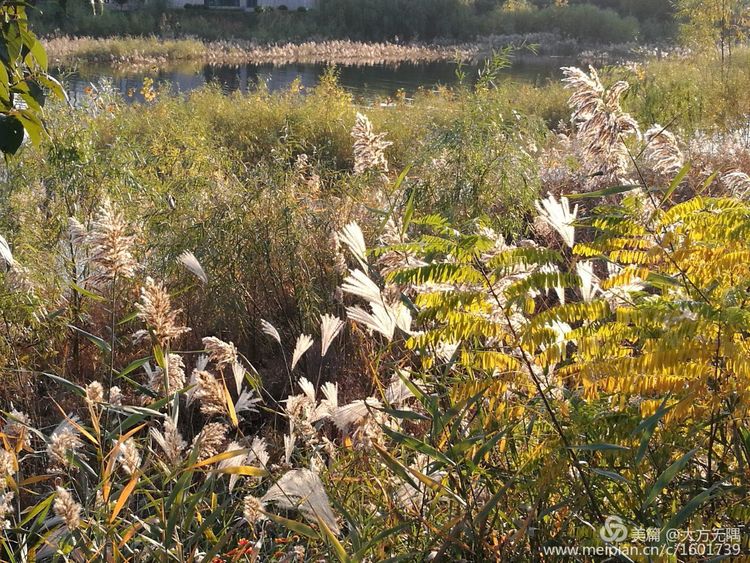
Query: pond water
x=365, y=81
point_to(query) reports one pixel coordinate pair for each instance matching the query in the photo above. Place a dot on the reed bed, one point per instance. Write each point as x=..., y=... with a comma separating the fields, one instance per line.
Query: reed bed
x=123, y=51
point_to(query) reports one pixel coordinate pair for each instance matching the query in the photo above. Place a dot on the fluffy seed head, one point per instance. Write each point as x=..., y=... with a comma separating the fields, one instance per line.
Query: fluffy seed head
x=111, y=244
x=155, y=310
x=252, y=509
x=170, y=441
x=94, y=393
x=219, y=352
x=67, y=509
x=16, y=429
x=128, y=456
x=369, y=147
x=210, y=440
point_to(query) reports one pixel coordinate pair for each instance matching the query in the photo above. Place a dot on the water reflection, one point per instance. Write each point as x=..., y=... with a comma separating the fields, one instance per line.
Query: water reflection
x=369, y=82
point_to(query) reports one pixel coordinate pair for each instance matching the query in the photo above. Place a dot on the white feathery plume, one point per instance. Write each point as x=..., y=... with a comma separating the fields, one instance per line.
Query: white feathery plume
x=258, y=454
x=238, y=372
x=330, y=327
x=331, y=393
x=354, y=412
x=589, y=281
x=662, y=151
x=289, y=440
x=304, y=342
x=351, y=235
x=738, y=183
x=302, y=489
x=192, y=265
x=5, y=252
x=270, y=330
x=384, y=318
x=327, y=406
x=200, y=365
x=380, y=321
x=246, y=402
x=236, y=460
x=559, y=217
x=307, y=388
x=170, y=440
x=359, y=283
x=402, y=316
x=220, y=352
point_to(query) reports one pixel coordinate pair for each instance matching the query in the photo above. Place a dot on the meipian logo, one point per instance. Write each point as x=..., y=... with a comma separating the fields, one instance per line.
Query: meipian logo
x=614, y=530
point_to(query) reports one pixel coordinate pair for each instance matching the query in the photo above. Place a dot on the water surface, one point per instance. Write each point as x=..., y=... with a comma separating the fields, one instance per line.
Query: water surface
x=366, y=81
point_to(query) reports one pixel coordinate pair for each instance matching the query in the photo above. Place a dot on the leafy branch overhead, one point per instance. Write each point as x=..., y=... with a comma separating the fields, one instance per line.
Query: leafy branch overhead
x=24, y=81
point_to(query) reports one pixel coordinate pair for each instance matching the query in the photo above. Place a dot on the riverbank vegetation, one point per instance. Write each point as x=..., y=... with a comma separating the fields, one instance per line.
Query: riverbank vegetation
x=150, y=50
x=481, y=323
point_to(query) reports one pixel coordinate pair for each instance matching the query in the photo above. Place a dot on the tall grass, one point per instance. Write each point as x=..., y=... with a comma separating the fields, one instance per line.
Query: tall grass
x=288, y=327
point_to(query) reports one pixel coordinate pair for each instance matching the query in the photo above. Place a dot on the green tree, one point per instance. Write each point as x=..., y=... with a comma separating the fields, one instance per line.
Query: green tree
x=714, y=23
x=24, y=82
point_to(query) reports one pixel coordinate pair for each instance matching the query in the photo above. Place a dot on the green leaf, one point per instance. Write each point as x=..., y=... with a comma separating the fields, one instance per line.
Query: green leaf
x=418, y=446
x=675, y=183
x=611, y=475
x=132, y=366
x=4, y=87
x=103, y=345
x=11, y=133
x=338, y=549
x=32, y=124
x=678, y=519
x=666, y=477
x=293, y=525
x=86, y=292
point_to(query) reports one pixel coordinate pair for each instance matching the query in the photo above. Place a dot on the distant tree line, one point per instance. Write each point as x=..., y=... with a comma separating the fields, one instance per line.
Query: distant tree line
x=593, y=21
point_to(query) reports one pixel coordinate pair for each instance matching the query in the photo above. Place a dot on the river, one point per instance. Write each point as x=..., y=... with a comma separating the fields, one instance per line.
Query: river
x=366, y=82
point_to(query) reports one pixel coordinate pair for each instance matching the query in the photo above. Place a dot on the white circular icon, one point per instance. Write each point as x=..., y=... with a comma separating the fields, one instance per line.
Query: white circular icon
x=614, y=530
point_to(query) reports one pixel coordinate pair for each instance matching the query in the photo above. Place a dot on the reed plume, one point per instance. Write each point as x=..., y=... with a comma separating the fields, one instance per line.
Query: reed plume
x=601, y=124
x=94, y=393
x=155, y=310
x=252, y=509
x=210, y=440
x=63, y=444
x=302, y=489
x=67, y=509
x=128, y=456
x=175, y=376
x=219, y=352
x=738, y=183
x=369, y=147
x=16, y=429
x=6, y=508
x=7, y=467
x=662, y=152
x=209, y=393
x=111, y=245
x=170, y=441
